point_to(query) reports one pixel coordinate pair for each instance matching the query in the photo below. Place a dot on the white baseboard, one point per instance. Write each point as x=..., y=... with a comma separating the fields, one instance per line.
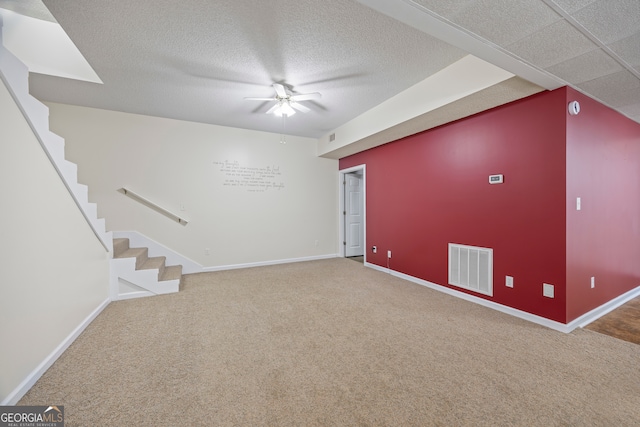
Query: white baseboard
x=264, y=263
x=189, y=266
x=31, y=379
x=605, y=308
x=133, y=295
x=561, y=327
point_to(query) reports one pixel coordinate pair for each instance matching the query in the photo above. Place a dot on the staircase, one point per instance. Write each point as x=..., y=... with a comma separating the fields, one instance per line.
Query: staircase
x=133, y=273
x=141, y=275
x=15, y=76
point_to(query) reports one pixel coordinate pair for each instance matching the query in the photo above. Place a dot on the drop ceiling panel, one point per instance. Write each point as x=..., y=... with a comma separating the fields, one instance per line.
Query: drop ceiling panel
x=627, y=98
x=611, y=20
x=572, y=6
x=505, y=21
x=628, y=49
x=589, y=66
x=446, y=9
x=618, y=89
x=552, y=45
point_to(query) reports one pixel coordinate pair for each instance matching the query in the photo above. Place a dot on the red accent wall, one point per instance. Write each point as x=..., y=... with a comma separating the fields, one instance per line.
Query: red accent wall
x=432, y=188
x=603, y=238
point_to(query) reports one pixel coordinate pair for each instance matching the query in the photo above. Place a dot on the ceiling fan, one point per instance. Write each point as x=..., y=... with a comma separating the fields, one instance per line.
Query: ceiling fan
x=287, y=103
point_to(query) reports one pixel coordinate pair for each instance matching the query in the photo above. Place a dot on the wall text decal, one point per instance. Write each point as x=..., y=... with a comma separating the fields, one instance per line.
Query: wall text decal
x=250, y=178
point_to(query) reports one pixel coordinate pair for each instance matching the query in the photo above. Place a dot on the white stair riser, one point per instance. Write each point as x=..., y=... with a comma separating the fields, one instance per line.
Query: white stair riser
x=146, y=279
x=91, y=209
x=38, y=114
x=101, y=225
x=69, y=171
x=82, y=192
x=55, y=146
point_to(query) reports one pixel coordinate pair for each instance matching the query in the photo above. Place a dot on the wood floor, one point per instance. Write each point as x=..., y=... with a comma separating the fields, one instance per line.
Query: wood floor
x=622, y=323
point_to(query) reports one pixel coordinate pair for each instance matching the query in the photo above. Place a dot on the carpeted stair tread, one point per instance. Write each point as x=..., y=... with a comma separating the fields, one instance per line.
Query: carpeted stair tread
x=172, y=272
x=132, y=252
x=140, y=254
x=154, y=263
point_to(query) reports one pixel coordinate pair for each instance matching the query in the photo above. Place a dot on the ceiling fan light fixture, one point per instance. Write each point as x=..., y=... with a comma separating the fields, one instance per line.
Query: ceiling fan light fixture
x=286, y=102
x=284, y=109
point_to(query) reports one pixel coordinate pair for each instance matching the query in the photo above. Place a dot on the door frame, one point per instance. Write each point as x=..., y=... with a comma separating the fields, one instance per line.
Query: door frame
x=341, y=207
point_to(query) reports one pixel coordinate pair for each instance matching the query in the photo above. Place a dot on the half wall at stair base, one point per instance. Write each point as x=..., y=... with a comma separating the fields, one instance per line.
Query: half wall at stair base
x=431, y=189
x=55, y=272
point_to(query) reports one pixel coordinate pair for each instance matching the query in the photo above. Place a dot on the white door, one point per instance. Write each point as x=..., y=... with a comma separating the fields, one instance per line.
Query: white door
x=354, y=215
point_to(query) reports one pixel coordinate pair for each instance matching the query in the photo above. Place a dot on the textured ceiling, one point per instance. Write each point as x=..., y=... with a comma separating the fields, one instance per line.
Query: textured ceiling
x=197, y=59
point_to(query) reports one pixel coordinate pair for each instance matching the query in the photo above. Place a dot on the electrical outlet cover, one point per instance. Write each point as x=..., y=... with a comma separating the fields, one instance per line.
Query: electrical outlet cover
x=509, y=282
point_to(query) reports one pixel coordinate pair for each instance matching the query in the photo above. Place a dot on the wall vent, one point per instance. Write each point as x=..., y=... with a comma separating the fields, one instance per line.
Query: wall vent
x=332, y=137
x=471, y=268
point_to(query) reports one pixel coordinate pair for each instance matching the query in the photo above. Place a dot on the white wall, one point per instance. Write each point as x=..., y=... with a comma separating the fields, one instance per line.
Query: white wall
x=177, y=163
x=55, y=272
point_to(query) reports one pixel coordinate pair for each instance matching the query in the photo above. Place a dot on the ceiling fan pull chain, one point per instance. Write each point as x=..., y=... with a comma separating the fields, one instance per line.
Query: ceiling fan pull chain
x=283, y=140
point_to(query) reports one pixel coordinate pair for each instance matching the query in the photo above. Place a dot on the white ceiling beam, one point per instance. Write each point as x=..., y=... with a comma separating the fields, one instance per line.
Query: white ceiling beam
x=464, y=77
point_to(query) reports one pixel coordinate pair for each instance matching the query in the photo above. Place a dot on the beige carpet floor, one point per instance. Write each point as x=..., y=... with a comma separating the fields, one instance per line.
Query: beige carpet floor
x=333, y=343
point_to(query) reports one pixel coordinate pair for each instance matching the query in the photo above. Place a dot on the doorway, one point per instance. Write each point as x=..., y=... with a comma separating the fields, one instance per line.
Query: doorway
x=353, y=213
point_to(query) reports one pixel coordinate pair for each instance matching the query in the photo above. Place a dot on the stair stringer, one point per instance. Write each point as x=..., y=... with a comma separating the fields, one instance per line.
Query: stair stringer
x=15, y=76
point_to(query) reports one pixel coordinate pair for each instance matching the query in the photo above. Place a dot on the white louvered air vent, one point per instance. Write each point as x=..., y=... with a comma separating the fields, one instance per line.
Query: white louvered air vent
x=471, y=268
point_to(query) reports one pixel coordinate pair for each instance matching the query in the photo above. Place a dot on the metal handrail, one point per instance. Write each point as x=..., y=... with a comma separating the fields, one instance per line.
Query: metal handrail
x=152, y=205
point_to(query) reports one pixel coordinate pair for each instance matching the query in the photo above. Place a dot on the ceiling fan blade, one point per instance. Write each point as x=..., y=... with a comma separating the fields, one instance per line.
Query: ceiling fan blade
x=259, y=99
x=299, y=107
x=305, y=96
x=273, y=109
x=282, y=93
